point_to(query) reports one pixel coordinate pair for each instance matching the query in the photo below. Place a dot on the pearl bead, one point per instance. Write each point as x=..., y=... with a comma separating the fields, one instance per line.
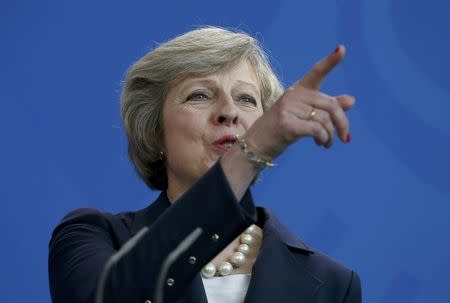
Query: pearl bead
x=250, y=230
x=225, y=269
x=244, y=248
x=237, y=259
x=209, y=270
x=247, y=239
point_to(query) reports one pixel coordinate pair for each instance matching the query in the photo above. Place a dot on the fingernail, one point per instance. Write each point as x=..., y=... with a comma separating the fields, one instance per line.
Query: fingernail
x=337, y=49
x=348, y=138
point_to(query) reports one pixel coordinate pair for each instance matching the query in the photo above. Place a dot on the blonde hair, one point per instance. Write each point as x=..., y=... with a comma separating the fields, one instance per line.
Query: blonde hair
x=200, y=52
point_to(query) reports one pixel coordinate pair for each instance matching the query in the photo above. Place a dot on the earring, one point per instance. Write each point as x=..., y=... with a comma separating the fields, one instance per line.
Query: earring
x=161, y=155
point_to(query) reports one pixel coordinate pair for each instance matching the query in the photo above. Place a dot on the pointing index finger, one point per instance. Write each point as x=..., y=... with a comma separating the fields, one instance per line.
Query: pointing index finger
x=315, y=77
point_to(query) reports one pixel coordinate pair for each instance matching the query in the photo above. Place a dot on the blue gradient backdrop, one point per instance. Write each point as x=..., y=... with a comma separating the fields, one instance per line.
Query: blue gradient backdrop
x=379, y=205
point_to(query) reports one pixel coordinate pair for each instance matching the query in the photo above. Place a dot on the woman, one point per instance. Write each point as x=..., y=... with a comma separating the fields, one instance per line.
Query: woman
x=204, y=114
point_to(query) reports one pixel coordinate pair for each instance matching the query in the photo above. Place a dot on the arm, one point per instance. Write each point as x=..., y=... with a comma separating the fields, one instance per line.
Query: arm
x=81, y=245
x=288, y=120
x=353, y=294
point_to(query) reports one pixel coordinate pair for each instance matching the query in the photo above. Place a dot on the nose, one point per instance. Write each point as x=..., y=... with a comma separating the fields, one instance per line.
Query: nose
x=226, y=113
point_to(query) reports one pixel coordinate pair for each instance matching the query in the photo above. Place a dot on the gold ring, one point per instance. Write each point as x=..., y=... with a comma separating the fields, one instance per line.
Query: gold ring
x=312, y=113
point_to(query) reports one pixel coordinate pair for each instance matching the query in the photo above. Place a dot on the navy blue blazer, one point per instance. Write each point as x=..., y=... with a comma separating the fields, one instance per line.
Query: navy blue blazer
x=286, y=269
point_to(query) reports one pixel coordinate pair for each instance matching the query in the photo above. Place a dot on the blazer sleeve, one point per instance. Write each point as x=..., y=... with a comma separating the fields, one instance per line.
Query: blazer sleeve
x=354, y=290
x=82, y=244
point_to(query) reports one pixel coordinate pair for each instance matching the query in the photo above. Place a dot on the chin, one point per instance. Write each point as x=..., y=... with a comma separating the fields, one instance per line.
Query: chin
x=207, y=164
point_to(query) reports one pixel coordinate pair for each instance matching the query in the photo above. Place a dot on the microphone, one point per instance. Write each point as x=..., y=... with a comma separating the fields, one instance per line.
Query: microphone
x=171, y=258
x=126, y=248
x=168, y=261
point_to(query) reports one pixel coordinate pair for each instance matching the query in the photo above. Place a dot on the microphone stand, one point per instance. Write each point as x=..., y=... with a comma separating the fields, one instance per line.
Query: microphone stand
x=170, y=259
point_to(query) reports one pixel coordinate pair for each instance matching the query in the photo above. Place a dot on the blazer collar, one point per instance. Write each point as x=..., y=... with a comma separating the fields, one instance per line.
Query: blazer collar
x=148, y=215
x=266, y=219
x=273, y=225
x=279, y=273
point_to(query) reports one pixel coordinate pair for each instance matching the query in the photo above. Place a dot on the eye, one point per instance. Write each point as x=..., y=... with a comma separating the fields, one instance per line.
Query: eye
x=197, y=96
x=247, y=99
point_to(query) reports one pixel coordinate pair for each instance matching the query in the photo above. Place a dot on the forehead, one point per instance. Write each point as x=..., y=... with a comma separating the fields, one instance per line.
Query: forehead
x=241, y=74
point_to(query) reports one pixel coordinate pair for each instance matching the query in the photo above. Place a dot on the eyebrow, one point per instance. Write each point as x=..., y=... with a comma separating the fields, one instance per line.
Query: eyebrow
x=208, y=82
x=251, y=85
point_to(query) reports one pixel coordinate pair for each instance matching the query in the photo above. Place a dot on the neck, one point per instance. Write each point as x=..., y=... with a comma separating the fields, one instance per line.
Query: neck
x=175, y=190
x=173, y=194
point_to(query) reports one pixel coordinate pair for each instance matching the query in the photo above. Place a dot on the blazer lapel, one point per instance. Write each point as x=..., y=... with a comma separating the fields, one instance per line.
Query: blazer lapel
x=195, y=292
x=148, y=215
x=278, y=274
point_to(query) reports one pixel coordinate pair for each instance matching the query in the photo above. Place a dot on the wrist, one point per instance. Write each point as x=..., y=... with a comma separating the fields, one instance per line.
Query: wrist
x=260, y=162
x=239, y=172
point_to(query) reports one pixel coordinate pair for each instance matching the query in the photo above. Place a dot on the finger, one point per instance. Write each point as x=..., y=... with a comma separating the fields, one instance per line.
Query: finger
x=321, y=132
x=315, y=77
x=346, y=101
x=337, y=115
x=324, y=118
x=318, y=143
x=308, y=128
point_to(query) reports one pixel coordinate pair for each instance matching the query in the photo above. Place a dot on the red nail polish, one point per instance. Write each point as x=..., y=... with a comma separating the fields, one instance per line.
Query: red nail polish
x=337, y=49
x=348, y=138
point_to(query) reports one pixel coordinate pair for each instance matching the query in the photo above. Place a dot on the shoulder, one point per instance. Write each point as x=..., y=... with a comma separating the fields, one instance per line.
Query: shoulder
x=327, y=268
x=90, y=221
x=96, y=217
x=338, y=280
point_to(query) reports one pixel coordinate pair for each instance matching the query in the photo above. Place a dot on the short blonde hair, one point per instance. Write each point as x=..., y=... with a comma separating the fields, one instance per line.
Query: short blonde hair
x=200, y=52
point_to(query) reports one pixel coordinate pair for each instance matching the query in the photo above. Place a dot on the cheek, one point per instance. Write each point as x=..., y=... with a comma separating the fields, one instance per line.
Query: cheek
x=181, y=129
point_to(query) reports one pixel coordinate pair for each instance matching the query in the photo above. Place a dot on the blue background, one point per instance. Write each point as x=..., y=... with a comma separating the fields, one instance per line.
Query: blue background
x=379, y=204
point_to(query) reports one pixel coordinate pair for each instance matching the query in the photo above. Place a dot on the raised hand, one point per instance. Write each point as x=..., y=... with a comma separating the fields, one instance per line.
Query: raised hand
x=303, y=111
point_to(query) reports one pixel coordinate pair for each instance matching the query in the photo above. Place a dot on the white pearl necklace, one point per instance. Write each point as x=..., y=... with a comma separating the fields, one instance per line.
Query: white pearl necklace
x=237, y=259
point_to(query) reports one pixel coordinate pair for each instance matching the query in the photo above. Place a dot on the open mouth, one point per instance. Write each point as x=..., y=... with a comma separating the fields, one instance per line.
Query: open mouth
x=228, y=144
x=225, y=142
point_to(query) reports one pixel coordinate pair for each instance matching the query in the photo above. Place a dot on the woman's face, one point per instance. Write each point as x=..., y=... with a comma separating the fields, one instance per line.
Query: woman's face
x=200, y=118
